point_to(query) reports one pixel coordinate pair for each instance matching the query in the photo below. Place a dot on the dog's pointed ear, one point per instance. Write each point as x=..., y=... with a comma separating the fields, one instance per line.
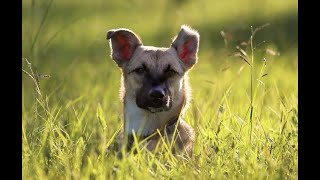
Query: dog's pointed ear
x=123, y=43
x=186, y=44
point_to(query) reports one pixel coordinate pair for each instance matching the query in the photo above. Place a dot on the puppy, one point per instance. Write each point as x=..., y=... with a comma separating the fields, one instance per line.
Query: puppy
x=155, y=88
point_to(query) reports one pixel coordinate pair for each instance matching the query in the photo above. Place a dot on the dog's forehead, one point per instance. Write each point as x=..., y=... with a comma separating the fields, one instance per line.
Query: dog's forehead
x=155, y=58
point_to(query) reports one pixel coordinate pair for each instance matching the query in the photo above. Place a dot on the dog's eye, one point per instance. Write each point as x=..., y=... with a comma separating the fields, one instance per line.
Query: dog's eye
x=140, y=71
x=170, y=72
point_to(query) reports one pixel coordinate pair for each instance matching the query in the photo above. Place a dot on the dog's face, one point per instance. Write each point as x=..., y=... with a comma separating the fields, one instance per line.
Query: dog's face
x=153, y=77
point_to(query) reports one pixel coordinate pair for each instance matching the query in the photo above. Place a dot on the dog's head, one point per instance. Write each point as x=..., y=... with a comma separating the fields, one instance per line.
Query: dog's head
x=153, y=76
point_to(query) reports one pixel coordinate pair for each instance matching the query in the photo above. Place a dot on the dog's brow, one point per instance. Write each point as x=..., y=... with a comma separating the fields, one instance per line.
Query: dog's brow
x=169, y=67
x=144, y=66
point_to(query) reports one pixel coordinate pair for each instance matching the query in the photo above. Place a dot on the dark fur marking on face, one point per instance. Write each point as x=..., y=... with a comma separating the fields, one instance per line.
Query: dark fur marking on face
x=153, y=80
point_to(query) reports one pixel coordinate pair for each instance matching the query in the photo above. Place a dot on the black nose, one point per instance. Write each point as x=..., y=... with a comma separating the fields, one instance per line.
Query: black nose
x=156, y=93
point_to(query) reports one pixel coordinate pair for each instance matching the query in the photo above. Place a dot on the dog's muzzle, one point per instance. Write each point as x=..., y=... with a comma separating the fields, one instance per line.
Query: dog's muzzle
x=156, y=99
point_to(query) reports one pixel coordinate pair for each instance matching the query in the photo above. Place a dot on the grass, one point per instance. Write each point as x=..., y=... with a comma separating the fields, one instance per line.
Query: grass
x=245, y=116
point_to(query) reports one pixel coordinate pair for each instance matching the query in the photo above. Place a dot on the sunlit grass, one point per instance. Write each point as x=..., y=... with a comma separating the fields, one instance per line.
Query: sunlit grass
x=70, y=118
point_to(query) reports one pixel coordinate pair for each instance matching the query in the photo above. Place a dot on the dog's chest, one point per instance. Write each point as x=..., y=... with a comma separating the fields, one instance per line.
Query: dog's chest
x=141, y=122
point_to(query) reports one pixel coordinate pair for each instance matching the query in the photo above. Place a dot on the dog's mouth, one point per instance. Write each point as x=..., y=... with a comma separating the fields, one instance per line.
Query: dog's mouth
x=155, y=105
x=155, y=110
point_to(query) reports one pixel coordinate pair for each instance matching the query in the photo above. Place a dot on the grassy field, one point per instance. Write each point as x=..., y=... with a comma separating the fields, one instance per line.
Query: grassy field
x=70, y=116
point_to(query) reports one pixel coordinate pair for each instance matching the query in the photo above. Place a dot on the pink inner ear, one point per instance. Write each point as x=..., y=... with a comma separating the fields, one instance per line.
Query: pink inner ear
x=125, y=50
x=185, y=52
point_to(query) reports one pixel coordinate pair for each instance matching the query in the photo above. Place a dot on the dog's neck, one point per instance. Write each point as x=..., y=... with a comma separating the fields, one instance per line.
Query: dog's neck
x=144, y=123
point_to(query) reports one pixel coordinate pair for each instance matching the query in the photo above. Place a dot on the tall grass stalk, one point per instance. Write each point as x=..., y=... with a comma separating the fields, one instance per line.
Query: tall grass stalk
x=251, y=80
x=40, y=27
x=253, y=32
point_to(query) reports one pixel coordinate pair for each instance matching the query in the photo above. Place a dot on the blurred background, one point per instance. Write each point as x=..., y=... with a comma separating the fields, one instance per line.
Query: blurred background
x=59, y=37
x=67, y=41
